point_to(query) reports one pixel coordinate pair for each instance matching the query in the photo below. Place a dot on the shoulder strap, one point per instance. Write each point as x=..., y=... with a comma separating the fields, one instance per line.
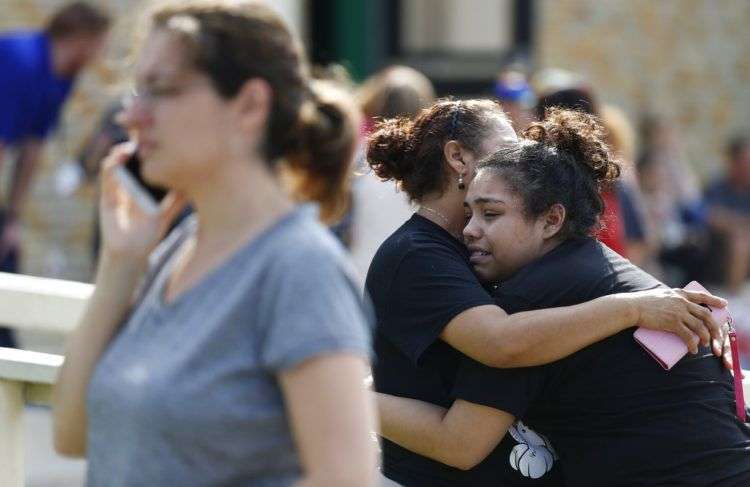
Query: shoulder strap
x=739, y=393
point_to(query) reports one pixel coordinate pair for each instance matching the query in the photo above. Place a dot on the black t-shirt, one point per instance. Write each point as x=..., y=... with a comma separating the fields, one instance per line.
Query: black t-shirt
x=615, y=417
x=419, y=280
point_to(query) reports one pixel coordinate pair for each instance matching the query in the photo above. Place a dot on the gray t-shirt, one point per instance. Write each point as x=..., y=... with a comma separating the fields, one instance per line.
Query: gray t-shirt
x=187, y=392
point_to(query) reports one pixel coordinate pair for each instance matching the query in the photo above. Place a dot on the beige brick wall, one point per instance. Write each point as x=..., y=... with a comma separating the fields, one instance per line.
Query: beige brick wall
x=689, y=59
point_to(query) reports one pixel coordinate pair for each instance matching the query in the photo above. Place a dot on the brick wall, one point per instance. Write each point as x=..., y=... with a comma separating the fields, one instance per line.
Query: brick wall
x=688, y=59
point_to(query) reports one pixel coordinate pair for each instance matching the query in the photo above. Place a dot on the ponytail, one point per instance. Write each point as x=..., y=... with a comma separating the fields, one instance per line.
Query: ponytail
x=319, y=164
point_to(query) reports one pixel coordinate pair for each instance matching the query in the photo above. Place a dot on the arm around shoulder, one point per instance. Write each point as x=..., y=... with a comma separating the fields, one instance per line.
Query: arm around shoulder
x=491, y=336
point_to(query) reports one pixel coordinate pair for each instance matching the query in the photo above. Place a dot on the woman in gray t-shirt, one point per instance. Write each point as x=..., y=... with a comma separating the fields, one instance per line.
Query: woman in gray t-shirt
x=236, y=353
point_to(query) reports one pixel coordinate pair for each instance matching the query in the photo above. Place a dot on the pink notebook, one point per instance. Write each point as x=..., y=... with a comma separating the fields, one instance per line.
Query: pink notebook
x=667, y=348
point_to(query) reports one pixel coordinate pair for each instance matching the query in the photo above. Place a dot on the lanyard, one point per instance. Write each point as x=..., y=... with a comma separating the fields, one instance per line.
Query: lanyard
x=739, y=393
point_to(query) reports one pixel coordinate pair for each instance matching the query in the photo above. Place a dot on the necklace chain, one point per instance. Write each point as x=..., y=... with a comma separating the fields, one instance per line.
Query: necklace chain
x=436, y=213
x=442, y=217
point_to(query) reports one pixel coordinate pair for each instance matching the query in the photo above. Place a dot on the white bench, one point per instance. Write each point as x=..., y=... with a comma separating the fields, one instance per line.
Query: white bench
x=30, y=304
x=25, y=378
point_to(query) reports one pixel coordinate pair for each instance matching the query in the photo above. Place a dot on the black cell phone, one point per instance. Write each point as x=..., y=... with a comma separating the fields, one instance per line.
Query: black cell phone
x=134, y=168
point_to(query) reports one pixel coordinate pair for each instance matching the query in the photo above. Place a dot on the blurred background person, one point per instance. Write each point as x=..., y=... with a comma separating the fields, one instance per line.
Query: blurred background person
x=728, y=206
x=39, y=70
x=640, y=245
x=548, y=81
x=673, y=203
x=380, y=206
x=515, y=95
x=726, y=261
x=393, y=92
x=107, y=133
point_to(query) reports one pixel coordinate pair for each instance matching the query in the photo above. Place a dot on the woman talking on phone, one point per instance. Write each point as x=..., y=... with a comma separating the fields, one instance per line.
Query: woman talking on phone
x=234, y=353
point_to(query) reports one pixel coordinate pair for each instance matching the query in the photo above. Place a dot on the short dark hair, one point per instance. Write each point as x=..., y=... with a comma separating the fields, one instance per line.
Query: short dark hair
x=77, y=18
x=563, y=160
x=578, y=99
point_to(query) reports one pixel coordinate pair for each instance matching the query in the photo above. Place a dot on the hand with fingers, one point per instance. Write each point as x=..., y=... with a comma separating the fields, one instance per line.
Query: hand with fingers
x=129, y=231
x=680, y=312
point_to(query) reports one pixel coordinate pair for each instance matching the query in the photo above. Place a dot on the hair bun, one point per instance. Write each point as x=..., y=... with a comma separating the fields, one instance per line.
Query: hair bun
x=323, y=150
x=390, y=149
x=582, y=137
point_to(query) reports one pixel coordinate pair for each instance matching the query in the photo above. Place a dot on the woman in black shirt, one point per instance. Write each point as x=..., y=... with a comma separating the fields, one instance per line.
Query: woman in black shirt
x=612, y=414
x=430, y=307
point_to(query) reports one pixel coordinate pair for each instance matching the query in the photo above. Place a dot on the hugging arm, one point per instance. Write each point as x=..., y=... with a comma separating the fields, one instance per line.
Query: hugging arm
x=435, y=295
x=494, y=338
x=488, y=401
x=461, y=436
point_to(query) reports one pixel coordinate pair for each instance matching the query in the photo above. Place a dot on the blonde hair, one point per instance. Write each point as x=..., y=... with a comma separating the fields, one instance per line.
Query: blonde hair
x=620, y=133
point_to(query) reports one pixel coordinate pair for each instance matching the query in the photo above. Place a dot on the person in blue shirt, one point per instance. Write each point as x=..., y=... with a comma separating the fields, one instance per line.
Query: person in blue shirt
x=38, y=72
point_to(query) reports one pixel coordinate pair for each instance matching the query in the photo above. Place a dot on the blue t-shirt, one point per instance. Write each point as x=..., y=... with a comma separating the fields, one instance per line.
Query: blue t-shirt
x=31, y=94
x=722, y=194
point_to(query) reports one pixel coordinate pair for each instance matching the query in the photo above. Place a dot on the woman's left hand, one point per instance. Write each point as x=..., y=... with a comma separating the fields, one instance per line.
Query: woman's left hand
x=680, y=312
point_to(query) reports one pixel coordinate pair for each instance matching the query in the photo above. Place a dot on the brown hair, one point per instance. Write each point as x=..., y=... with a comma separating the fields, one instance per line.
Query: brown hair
x=564, y=160
x=311, y=126
x=410, y=152
x=77, y=18
x=396, y=91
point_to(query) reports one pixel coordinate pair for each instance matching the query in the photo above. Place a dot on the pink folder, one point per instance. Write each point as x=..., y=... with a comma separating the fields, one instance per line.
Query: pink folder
x=667, y=348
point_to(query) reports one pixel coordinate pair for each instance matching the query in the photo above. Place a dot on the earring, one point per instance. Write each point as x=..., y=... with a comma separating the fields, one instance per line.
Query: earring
x=461, y=184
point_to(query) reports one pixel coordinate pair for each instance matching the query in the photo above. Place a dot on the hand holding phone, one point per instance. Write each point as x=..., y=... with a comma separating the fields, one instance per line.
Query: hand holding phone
x=132, y=222
x=142, y=198
x=146, y=195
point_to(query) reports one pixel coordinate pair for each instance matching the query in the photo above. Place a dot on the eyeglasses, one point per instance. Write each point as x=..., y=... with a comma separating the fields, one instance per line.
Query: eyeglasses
x=151, y=94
